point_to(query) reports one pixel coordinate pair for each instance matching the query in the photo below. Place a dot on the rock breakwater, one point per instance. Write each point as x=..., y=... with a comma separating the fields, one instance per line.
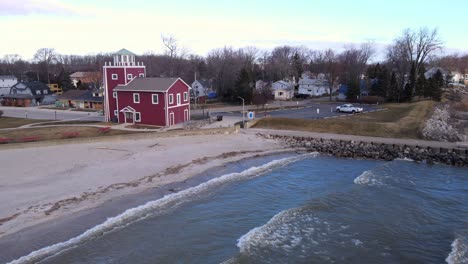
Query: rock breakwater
x=380, y=151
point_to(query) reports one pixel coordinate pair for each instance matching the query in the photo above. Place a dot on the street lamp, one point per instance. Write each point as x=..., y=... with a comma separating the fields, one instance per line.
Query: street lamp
x=243, y=122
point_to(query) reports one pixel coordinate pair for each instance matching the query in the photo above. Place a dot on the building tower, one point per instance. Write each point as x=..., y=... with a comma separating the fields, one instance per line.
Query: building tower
x=119, y=72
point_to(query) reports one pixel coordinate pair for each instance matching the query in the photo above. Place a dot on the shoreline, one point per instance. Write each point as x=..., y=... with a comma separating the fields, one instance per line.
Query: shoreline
x=88, y=174
x=68, y=226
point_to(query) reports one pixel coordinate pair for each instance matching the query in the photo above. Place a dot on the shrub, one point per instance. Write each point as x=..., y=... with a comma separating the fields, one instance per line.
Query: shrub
x=1, y=113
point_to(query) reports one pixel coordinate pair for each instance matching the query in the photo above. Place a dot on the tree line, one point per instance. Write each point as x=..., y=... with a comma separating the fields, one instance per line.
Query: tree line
x=232, y=72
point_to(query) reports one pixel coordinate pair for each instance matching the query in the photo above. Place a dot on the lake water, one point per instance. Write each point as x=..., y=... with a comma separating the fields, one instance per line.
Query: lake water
x=296, y=209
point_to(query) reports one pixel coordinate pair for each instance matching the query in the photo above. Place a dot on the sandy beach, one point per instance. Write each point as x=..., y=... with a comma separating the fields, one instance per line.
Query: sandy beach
x=44, y=183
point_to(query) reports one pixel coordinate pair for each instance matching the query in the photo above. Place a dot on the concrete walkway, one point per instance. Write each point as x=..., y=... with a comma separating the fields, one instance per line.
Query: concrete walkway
x=396, y=141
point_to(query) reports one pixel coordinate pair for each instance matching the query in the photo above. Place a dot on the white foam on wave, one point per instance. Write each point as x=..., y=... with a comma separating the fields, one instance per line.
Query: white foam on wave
x=276, y=233
x=459, y=253
x=404, y=159
x=368, y=178
x=143, y=211
x=293, y=232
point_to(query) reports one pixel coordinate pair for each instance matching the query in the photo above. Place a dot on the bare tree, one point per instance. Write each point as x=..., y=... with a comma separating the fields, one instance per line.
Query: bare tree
x=413, y=47
x=354, y=62
x=326, y=62
x=46, y=56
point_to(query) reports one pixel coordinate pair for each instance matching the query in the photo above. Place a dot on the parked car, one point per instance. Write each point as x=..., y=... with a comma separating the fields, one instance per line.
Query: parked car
x=349, y=108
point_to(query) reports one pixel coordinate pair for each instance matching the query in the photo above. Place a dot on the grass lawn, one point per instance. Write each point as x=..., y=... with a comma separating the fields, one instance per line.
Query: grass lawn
x=59, y=132
x=74, y=122
x=398, y=121
x=9, y=122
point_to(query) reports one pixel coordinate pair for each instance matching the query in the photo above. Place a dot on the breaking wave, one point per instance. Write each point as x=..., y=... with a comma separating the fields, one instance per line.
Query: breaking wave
x=297, y=233
x=459, y=253
x=151, y=208
x=368, y=178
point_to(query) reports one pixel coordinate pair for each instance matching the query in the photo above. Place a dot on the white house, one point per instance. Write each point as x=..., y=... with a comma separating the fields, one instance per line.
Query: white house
x=200, y=88
x=284, y=93
x=281, y=85
x=313, y=87
x=6, y=82
x=260, y=84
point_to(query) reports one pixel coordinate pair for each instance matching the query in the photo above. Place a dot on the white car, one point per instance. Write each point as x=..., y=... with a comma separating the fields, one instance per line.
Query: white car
x=349, y=108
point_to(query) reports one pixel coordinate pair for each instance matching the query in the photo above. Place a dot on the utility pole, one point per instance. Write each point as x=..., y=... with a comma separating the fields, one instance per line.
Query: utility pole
x=243, y=115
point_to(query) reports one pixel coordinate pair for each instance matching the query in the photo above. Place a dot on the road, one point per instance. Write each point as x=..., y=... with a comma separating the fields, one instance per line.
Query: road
x=48, y=114
x=308, y=111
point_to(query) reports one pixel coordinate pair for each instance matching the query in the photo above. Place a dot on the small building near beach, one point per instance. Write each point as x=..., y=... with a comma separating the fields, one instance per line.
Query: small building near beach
x=130, y=97
x=153, y=101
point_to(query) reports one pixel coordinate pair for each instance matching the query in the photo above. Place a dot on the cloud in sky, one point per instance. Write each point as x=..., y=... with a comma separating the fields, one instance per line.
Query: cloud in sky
x=28, y=7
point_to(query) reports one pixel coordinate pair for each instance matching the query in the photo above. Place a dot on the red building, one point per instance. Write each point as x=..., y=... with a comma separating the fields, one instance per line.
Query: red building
x=130, y=97
x=153, y=101
x=120, y=72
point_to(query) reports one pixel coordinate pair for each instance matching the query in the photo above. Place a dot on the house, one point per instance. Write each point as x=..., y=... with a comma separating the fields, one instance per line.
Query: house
x=28, y=93
x=260, y=84
x=82, y=99
x=130, y=97
x=6, y=82
x=313, y=87
x=91, y=78
x=68, y=98
x=153, y=101
x=54, y=88
x=122, y=70
x=284, y=93
x=200, y=90
x=281, y=85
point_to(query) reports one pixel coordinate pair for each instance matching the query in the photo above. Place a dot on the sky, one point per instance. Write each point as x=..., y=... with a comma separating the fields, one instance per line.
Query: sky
x=83, y=27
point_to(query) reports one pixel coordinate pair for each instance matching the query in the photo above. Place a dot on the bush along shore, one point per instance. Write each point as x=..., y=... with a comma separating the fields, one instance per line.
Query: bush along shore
x=369, y=150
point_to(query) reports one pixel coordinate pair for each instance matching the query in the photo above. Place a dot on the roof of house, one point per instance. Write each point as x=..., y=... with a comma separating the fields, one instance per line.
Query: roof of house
x=82, y=74
x=205, y=83
x=308, y=81
x=7, y=77
x=124, y=52
x=282, y=82
x=33, y=86
x=432, y=71
x=88, y=96
x=22, y=96
x=148, y=84
x=71, y=94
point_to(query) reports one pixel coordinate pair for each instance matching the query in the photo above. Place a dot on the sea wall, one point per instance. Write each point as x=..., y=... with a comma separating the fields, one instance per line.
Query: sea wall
x=380, y=151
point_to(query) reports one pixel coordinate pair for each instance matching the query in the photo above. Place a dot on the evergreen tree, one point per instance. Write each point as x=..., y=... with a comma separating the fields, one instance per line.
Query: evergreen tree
x=298, y=67
x=410, y=90
x=421, y=82
x=437, y=86
x=393, y=88
x=242, y=86
x=407, y=93
x=353, y=90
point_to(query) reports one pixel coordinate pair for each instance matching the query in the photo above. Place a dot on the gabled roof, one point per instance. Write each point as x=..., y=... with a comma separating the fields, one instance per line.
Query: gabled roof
x=148, y=85
x=128, y=109
x=71, y=94
x=8, y=77
x=88, y=96
x=308, y=81
x=33, y=86
x=204, y=83
x=82, y=74
x=124, y=52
